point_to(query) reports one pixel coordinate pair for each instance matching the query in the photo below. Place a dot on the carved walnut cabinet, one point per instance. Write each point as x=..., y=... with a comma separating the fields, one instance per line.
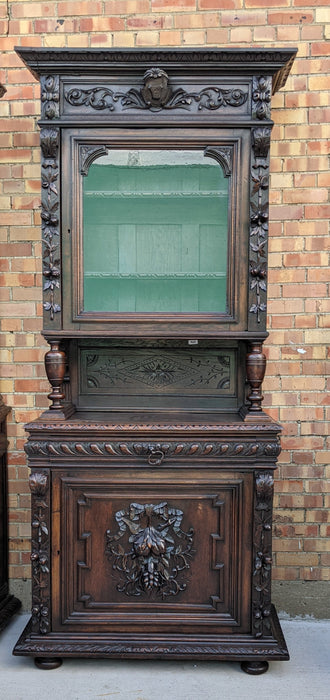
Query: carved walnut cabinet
x=152, y=470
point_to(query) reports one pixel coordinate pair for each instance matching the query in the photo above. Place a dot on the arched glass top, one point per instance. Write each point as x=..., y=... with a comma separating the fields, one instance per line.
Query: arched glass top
x=155, y=233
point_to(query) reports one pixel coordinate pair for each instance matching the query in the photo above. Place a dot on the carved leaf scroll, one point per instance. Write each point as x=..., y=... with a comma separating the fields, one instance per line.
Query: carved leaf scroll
x=155, y=95
x=150, y=550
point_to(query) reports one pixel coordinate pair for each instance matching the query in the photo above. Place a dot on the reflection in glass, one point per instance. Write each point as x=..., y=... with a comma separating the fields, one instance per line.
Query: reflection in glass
x=155, y=232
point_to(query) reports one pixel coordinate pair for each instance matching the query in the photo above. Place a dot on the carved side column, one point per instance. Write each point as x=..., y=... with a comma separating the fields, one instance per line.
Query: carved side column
x=41, y=559
x=40, y=551
x=262, y=554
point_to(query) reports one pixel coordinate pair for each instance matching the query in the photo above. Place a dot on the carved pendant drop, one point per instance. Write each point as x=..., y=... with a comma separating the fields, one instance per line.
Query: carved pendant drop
x=154, y=550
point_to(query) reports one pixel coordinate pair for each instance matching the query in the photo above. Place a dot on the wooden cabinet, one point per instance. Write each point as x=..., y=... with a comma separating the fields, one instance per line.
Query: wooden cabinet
x=152, y=470
x=8, y=603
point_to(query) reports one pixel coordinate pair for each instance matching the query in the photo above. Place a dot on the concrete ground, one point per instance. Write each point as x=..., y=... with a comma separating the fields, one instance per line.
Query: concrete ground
x=305, y=677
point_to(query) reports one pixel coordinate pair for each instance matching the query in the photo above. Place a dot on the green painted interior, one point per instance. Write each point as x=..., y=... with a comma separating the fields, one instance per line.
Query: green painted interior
x=155, y=233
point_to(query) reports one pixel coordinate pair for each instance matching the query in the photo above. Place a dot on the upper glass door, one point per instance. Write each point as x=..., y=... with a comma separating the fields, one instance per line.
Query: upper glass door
x=155, y=233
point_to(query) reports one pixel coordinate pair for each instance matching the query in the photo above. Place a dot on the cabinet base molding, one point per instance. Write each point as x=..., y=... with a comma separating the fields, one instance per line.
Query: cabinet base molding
x=47, y=648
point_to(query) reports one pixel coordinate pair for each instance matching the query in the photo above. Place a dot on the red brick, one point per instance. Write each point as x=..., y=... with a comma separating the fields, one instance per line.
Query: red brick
x=321, y=48
x=286, y=212
x=145, y=22
x=318, y=211
x=97, y=24
x=290, y=18
x=219, y=4
x=196, y=20
x=80, y=7
x=172, y=5
x=126, y=7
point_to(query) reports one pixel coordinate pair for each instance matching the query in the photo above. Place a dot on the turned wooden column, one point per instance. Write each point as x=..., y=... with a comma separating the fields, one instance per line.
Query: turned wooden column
x=255, y=372
x=55, y=363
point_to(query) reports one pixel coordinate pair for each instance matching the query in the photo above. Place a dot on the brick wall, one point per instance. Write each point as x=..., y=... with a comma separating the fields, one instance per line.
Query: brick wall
x=295, y=388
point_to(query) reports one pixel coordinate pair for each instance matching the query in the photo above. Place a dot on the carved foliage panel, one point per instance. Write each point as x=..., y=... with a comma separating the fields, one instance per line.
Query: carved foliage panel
x=258, y=238
x=157, y=371
x=50, y=224
x=40, y=551
x=167, y=551
x=262, y=548
x=155, y=93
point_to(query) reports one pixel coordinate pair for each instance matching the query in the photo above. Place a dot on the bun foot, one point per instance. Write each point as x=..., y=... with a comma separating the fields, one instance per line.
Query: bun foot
x=255, y=668
x=47, y=663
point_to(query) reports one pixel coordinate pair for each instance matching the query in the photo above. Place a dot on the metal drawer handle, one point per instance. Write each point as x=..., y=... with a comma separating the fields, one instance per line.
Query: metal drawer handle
x=155, y=457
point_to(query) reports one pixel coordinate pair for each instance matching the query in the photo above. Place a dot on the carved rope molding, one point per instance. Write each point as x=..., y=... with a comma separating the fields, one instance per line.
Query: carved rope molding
x=155, y=95
x=150, y=550
x=40, y=552
x=259, y=220
x=50, y=220
x=145, y=449
x=262, y=557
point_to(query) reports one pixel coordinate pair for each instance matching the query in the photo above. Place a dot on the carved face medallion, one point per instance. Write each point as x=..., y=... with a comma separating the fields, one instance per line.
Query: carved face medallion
x=155, y=91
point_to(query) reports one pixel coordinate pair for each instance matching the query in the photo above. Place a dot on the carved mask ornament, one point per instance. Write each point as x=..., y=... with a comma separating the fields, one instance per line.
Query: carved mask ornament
x=156, y=92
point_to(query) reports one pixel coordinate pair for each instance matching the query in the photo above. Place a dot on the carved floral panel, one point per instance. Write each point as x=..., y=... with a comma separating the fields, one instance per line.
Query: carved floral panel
x=157, y=370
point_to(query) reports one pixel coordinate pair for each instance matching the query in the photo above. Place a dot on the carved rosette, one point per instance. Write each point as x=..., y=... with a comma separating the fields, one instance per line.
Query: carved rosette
x=155, y=95
x=153, y=550
x=40, y=552
x=261, y=97
x=50, y=220
x=262, y=555
x=50, y=96
x=259, y=223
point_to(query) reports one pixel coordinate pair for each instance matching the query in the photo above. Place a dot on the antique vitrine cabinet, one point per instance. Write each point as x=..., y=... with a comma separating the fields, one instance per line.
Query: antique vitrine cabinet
x=152, y=470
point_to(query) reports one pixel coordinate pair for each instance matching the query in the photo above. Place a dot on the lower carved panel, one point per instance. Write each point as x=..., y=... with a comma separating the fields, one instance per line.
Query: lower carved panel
x=146, y=554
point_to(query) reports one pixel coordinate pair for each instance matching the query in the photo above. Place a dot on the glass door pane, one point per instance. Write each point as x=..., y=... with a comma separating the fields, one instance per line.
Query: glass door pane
x=155, y=232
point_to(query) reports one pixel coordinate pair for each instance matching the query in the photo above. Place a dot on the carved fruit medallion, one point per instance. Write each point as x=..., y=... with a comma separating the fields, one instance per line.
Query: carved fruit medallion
x=153, y=552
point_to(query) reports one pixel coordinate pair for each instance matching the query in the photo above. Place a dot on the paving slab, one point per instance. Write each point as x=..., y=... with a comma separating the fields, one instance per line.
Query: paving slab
x=305, y=677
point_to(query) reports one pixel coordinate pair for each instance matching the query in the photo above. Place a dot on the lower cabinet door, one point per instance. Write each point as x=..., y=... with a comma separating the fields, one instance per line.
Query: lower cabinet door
x=134, y=550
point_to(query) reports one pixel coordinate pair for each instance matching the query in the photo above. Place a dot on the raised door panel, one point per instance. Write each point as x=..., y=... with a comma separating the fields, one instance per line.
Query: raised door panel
x=137, y=549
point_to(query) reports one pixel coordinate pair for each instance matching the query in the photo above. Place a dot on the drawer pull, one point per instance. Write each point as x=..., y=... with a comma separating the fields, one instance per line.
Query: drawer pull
x=155, y=457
